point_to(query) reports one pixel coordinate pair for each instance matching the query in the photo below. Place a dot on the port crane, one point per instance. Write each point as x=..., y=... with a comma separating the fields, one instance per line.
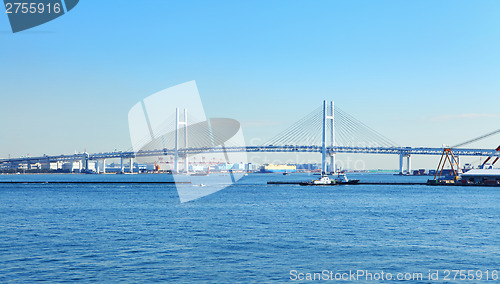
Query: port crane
x=491, y=156
x=448, y=156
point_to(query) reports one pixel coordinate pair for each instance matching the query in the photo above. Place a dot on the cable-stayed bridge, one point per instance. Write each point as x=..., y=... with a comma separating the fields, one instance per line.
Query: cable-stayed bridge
x=327, y=130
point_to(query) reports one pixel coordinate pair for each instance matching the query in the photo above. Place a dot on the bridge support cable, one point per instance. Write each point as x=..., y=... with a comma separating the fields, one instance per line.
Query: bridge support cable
x=352, y=132
x=159, y=141
x=346, y=130
x=305, y=131
x=494, y=153
x=477, y=139
x=209, y=136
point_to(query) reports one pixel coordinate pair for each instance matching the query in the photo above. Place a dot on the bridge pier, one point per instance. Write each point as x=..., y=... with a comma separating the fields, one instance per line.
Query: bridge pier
x=332, y=163
x=78, y=164
x=131, y=165
x=122, y=170
x=85, y=162
x=408, y=164
x=104, y=166
x=402, y=155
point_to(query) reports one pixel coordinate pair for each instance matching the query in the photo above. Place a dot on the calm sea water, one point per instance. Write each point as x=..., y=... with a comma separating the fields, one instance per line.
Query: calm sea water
x=249, y=232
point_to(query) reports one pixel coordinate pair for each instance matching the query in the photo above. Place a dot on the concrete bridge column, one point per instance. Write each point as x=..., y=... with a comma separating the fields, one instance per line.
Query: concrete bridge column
x=131, y=164
x=104, y=166
x=121, y=165
x=333, y=167
x=85, y=162
x=401, y=163
x=408, y=164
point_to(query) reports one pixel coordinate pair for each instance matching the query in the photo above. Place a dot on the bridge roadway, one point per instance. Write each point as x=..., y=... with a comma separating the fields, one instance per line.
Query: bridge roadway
x=402, y=151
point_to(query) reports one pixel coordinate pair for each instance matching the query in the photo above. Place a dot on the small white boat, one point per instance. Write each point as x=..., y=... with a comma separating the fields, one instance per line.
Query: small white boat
x=324, y=180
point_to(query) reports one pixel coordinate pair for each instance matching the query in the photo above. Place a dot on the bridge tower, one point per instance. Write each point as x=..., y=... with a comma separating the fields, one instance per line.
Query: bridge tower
x=332, y=127
x=176, y=155
x=327, y=117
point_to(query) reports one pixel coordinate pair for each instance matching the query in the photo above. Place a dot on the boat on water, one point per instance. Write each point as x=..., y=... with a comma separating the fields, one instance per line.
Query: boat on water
x=342, y=179
x=477, y=177
x=324, y=180
x=481, y=176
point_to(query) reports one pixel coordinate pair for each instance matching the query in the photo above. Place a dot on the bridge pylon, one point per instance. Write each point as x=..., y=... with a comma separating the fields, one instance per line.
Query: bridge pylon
x=176, y=154
x=328, y=117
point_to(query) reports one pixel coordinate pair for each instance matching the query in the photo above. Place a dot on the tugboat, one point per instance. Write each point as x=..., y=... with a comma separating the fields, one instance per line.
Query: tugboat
x=324, y=180
x=342, y=179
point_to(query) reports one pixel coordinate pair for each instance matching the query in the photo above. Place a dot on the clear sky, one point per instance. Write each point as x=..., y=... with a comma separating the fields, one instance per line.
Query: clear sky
x=423, y=73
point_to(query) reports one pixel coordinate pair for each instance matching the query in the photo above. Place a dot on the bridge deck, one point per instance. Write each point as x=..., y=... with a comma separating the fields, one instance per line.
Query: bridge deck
x=256, y=149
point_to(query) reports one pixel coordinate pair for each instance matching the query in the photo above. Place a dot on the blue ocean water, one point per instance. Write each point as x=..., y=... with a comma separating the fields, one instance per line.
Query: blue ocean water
x=250, y=232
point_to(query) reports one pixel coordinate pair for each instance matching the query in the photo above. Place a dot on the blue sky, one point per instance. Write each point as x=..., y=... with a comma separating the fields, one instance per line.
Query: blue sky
x=423, y=73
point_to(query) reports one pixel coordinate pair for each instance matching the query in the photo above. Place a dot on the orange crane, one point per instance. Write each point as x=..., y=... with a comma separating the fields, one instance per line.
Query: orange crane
x=448, y=156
